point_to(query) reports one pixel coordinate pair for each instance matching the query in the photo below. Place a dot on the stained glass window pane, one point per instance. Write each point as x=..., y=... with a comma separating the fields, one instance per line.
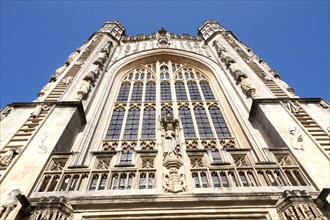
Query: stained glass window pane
x=149, y=123
x=123, y=92
x=150, y=91
x=187, y=123
x=132, y=124
x=165, y=91
x=137, y=91
x=180, y=91
x=207, y=92
x=219, y=122
x=116, y=123
x=193, y=91
x=202, y=122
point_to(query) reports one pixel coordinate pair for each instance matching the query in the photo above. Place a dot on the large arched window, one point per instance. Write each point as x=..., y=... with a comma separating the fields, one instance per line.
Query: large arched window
x=157, y=88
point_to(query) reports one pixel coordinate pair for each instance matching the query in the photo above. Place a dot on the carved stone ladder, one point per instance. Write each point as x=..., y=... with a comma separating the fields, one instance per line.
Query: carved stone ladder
x=59, y=90
x=271, y=85
x=314, y=129
x=23, y=135
x=318, y=134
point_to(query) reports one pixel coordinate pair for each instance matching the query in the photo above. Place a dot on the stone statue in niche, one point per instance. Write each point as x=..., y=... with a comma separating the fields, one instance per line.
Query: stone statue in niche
x=296, y=139
x=9, y=204
x=171, y=142
x=174, y=181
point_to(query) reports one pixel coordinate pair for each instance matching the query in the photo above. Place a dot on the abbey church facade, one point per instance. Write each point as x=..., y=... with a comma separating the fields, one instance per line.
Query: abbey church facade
x=165, y=126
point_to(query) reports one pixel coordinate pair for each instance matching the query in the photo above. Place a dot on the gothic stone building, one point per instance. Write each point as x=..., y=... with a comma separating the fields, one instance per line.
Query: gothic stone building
x=165, y=126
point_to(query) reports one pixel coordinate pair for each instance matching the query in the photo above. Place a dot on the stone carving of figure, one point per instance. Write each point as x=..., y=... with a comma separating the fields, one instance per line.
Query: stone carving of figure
x=36, y=112
x=284, y=84
x=219, y=48
x=7, y=157
x=247, y=87
x=79, y=62
x=42, y=147
x=67, y=80
x=296, y=139
x=84, y=89
x=171, y=143
x=137, y=46
x=45, y=89
x=223, y=54
x=162, y=36
x=106, y=48
x=9, y=204
x=72, y=56
x=127, y=49
x=236, y=71
x=58, y=72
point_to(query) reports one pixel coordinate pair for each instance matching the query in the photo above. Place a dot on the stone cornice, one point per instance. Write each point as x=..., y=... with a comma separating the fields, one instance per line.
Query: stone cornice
x=258, y=101
x=75, y=104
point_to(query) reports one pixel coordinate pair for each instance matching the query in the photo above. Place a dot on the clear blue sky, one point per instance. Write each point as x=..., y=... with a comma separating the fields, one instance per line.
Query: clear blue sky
x=37, y=36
